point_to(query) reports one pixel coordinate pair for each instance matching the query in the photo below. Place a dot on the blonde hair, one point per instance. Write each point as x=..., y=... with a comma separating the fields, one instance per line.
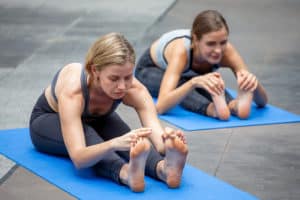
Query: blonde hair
x=110, y=49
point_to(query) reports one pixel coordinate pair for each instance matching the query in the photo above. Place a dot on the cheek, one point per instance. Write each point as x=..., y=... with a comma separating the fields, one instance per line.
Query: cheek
x=205, y=51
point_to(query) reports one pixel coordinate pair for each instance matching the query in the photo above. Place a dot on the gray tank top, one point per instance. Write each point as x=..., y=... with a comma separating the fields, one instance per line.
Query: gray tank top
x=168, y=37
x=86, y=95
x=165, y=39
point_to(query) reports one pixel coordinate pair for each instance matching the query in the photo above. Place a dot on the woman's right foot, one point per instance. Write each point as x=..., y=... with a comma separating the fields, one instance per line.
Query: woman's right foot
x=221, y=109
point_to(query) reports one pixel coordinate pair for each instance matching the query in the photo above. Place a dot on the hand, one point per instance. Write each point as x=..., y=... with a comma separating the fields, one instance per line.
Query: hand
x=171, y=133
x=246, y=81
x=124, y=142
x=211, y=82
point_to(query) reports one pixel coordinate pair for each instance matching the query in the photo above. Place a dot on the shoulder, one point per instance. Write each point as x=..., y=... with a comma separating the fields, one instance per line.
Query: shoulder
x=176, y=49
x=68, y=82
x=229, y=50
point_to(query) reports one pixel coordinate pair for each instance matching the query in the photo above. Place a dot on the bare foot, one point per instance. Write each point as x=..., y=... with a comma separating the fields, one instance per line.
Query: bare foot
x=221, y=108
x=136, y=167
x=176, y=153
x=244, y=100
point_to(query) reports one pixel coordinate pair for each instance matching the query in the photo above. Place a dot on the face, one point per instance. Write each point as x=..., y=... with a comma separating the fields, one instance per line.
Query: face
x=211, y=46
x=115, y=80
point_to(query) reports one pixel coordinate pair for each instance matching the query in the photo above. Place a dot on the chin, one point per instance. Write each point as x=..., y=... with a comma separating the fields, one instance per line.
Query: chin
x=214, y=61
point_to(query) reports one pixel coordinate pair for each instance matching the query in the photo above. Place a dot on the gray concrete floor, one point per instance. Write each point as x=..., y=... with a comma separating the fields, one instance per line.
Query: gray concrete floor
x=38, y=37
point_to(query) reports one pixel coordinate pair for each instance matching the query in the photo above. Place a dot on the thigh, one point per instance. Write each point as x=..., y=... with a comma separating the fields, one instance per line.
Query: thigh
x=110, y=126
x=46, y=136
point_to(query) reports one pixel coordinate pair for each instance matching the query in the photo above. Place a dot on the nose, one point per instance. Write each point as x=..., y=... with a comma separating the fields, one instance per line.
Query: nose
x=218, y=49
x=121, y=85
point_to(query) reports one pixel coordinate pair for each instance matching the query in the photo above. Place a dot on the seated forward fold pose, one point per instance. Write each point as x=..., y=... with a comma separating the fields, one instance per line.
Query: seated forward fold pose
x=181, y=68
x=75, y=116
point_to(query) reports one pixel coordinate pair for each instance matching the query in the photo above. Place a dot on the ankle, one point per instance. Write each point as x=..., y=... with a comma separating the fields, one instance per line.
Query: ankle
x=123, y=175
x=160, y=170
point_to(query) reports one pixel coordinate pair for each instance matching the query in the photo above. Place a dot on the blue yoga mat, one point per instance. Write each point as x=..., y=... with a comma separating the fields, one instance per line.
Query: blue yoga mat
x=83, y=184
x=190, y=121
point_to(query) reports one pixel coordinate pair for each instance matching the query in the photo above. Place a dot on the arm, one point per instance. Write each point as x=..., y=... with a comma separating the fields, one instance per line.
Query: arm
x=139, y=98
x=169, y=93
x=246, y=80
x=70, y=107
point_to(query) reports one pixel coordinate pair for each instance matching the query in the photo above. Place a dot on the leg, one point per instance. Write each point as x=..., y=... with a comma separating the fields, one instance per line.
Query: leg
x=45, y=129
x=131, y=174
x=200, y=101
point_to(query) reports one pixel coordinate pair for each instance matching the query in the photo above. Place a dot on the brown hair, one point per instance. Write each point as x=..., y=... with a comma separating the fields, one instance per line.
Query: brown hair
x=110, y=49
x=208, y=21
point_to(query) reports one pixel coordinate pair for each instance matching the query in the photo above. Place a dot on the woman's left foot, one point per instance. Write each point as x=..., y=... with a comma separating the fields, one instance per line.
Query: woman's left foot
x=176, y=153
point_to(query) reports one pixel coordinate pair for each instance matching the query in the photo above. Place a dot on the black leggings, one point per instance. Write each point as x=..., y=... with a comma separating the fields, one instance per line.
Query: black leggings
x=46, y=136
x=151, y=76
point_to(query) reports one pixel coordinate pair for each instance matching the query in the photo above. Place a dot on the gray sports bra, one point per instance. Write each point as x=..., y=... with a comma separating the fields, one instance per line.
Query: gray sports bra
x=86, y=95
x=166, y=38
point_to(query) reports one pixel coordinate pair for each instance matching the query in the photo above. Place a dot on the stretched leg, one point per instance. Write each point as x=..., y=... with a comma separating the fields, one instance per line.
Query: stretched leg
x=170, y=169
x=200, y=101
x=132, y=172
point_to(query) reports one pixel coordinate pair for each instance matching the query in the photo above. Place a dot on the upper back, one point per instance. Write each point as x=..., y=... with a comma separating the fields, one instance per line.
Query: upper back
x=166, y=39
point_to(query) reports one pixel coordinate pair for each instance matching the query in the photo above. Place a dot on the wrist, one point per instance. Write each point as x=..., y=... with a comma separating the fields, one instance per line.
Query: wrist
x=192, y=83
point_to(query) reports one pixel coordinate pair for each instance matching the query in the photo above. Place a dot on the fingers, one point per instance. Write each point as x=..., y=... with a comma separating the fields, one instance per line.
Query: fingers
x=136, y=140
x=142, y=132
x=138, y=134
x=214, y=84
x=247, y=81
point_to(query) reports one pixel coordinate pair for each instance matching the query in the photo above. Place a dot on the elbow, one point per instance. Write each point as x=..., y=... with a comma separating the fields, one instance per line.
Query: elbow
x=159, y=109
x=262, y=103
x=78, y=165
x=77, y=162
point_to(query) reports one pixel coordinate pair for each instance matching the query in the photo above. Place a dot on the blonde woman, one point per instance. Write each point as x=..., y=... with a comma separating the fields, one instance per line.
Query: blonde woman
x=181, y=68
x=75, y=116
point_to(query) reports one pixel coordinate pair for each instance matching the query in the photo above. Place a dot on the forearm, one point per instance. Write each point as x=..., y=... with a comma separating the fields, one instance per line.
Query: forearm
x=90, y=155
x=170, y=99
x=260, y=96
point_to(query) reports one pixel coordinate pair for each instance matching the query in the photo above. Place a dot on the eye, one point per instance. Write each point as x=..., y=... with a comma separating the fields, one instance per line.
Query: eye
x=128, y=78
x=211, y=43
x=224, y=42
x=113, y=78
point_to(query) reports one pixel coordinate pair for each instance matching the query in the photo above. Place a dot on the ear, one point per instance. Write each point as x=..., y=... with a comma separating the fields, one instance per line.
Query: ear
x=194, y=37
x=93, y=69
x=94, y=72
x=194, y=40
